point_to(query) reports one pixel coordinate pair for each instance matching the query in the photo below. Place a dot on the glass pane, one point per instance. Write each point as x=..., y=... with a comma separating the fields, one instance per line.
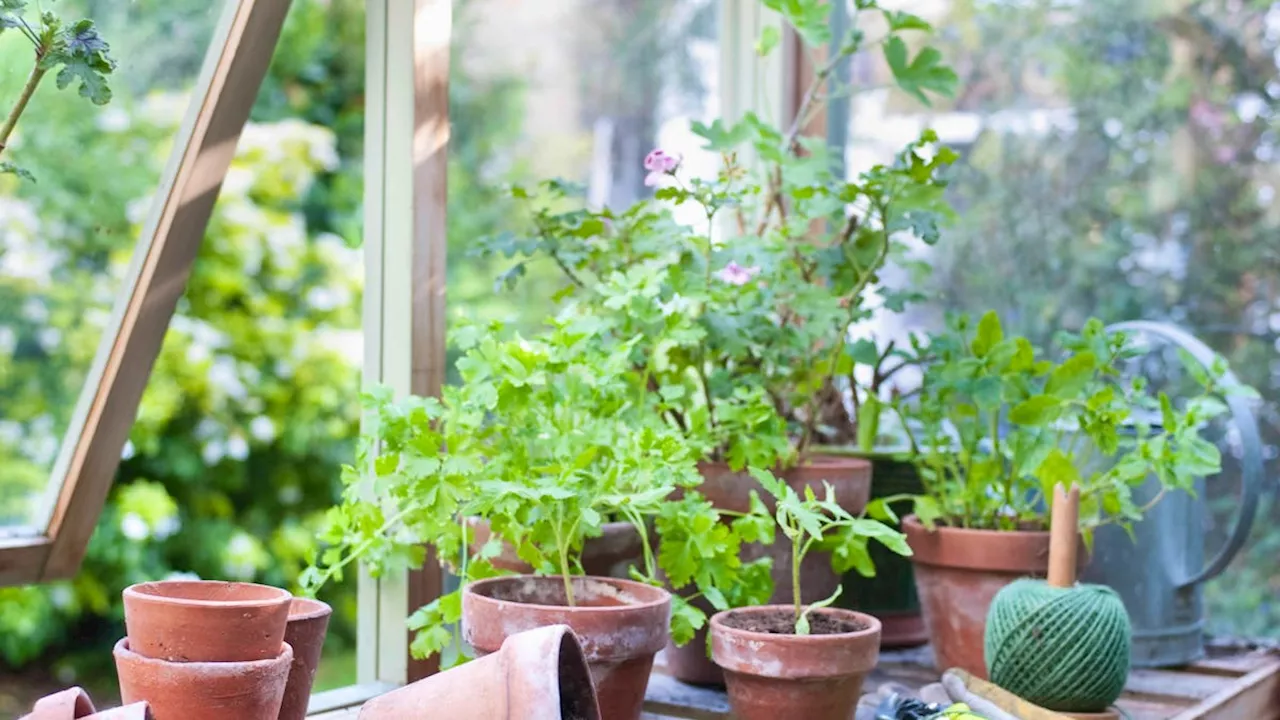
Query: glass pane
x=579, y=91
x=1119, y=160
x=69, y=230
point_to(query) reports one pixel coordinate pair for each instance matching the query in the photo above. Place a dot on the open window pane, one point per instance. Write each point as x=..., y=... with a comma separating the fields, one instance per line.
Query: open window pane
x=566, y=89
x=69, y=234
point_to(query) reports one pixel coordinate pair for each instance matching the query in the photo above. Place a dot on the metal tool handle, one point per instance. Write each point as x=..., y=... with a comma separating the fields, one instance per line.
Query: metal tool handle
x=1246, y=424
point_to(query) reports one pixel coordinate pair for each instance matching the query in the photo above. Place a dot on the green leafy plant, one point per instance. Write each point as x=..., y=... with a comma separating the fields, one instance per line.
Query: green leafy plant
x=809, y=522
x=1001, y=425
x=743, y=314
x=73, y=50
x=544, y=439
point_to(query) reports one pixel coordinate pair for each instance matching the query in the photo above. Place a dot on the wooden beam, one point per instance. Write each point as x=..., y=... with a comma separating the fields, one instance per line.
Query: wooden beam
x=234, y=68
x=433, y=28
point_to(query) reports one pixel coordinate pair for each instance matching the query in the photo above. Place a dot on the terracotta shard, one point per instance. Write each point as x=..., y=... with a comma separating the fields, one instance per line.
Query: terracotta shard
x=205, y=621
x=536, y=675
x=68, y=704
x=305, y=633
x=204, y=690
x=771, y=675
x=621, y=625
x=136, y=711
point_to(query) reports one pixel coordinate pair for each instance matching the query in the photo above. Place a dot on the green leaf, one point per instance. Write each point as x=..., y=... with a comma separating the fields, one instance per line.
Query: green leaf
x=1057, y=469
x=802, y=625
x=8, y=168
x=769, y=39
x=901, y=20
x=1071, y=377
x=924, y=72
x=989, y=334
x=1036, y=411
x=90, y=73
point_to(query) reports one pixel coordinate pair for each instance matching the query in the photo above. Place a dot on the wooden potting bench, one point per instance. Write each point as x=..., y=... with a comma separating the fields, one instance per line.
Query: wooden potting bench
x=1239, y=680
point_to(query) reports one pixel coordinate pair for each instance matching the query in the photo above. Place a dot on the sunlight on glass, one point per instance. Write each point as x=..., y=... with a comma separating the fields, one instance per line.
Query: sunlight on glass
x=78, y=174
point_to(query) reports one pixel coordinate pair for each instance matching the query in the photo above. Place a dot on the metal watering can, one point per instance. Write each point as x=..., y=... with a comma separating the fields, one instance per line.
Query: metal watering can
x=1159, y=571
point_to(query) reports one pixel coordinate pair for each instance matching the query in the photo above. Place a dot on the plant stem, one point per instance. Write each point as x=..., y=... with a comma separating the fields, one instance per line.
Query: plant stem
x=563, y=550
x=33, y=81
x=796, y=556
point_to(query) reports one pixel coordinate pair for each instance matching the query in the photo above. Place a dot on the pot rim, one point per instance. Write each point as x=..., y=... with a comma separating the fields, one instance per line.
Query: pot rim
x=872, y=623
x=940, y=528
x=663, y=597
x=122, y=651
x=139, y=592
x=313, y=609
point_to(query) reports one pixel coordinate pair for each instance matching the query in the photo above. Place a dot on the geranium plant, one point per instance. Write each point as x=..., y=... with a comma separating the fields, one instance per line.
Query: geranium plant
x=1001, y=425
x=744, y=315
x=546, y=441
x=73, y=50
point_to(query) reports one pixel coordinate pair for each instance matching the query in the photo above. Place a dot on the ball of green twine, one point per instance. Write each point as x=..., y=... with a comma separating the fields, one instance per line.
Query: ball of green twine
x=1064, y=649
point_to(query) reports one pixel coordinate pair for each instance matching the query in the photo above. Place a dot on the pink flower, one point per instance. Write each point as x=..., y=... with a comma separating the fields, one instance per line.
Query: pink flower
x=660, y=162
x=735, y=274
x=653, y=179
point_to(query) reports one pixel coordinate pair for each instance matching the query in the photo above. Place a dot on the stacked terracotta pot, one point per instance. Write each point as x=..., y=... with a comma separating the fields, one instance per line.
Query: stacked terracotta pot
x=200, y=650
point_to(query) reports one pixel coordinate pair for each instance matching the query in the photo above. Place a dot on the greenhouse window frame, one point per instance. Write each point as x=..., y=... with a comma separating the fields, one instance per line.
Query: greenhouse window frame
x=234, y=67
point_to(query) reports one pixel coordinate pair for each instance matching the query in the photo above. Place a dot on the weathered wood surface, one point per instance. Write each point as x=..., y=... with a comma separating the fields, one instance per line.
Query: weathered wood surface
x=1236, y=682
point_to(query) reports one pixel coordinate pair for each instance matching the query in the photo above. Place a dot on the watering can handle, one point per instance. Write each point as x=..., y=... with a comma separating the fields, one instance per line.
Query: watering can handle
x=1246, y=424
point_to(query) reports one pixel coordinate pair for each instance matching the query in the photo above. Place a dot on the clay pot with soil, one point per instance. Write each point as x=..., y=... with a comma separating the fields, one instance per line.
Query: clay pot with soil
x=770, y=672
x=850, y=477
x=537, y=674
x=621, y=625
x=958, y=573
x=305, y=632
x=206, y=621
x=204, y=690
x=610, y=555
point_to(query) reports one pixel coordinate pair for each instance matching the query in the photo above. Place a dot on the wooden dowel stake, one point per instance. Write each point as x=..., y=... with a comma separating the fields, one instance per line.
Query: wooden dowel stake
x=1063, y=536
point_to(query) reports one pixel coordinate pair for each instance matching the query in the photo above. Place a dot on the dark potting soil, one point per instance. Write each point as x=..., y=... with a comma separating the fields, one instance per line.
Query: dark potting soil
x=783, y=622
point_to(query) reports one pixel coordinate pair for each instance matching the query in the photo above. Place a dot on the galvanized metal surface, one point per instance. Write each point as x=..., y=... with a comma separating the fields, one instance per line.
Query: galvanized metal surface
x=1159, y=571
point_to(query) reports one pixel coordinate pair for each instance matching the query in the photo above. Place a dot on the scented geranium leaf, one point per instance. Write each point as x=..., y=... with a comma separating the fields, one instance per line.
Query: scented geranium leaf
x=1072, y=376
x=90, y=72
x=901, y=20
x=926, y=71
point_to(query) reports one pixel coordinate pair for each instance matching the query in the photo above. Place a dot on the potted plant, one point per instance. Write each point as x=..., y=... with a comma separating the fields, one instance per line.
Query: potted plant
x=999, y=426
x=545, y=439
x=803, y=660
x=743, y=313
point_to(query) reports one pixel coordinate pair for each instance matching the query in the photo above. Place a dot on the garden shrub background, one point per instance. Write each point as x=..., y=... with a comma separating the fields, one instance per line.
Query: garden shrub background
x=252, y=405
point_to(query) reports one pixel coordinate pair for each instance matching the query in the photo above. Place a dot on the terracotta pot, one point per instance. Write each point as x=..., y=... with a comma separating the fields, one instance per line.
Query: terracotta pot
x=308, y=623
x=958, y=573
x=204, y=690
x=205, y=621
x=850, y=477
x=891, y=595
x=74, y=703
x=538, y=674
x=620, y=623
x=771, y=675
x=610, y=555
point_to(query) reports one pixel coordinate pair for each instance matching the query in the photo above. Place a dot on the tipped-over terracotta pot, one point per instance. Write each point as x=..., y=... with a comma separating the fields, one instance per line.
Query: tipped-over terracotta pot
x=205, y=620
x=772, y=673
x=612, y=554
x=308, y=623
x=958, y=573
x=204, y=690
x=850, y=478
x=538, y=674
x=74, y=704
x=620, y=623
